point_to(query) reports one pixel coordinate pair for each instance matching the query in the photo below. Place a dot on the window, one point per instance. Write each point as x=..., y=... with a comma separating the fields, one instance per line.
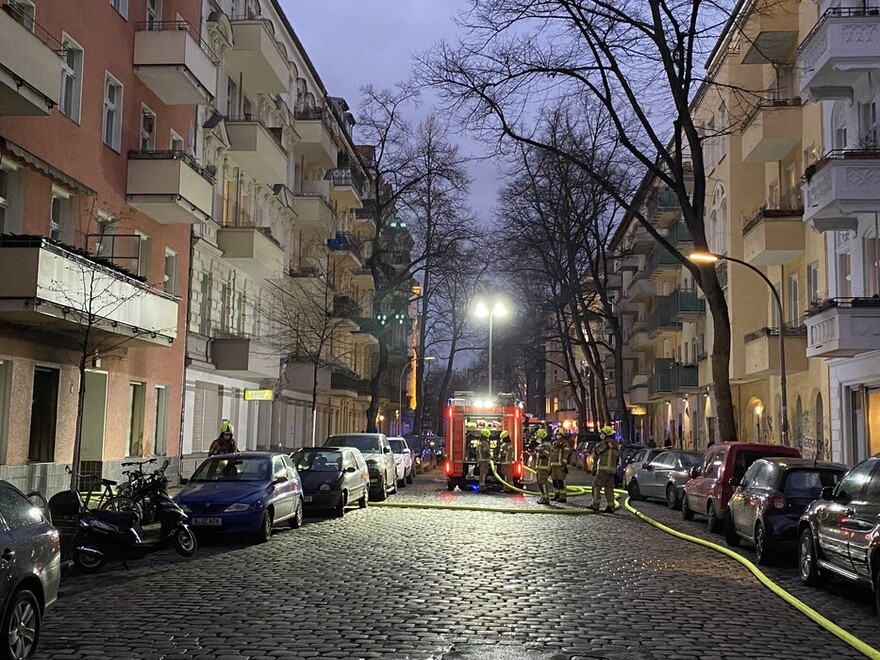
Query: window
x=154, y=13
x=148, y=129
x=24, y=12
x=61, y=222
x=844, y=284
x=112, y=112
x=851, y=485
x=231, y=98
x=170, y=282
x=71, y=80
x=136, y=404
x=750, y=475
x=838, y=123
x=872, y=267
x=718, y=229
x=160, y=421
x=17, y=511
x=723, y=126
x=775, y=321
x=144, y=252
x=44, y=412
x=813, y=283
x=177, y=143
x=205, y=306
x=228, y=202
x=5, y=176
x=868, y=129
x=793, y=302
x=121, y=6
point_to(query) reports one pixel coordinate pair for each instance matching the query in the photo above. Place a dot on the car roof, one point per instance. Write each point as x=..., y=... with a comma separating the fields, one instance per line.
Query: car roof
x=396, y=437
x=790, y=462
x=251, y=454
x=753, y=446
x=351, y=435
x=324, y=449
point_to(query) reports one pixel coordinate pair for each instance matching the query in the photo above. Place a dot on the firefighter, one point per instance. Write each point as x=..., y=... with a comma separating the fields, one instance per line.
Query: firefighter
x=605, y=457
x=225, y=442
x=559, y=459
x=542, y=465
x=484, y=455
x=505, y=459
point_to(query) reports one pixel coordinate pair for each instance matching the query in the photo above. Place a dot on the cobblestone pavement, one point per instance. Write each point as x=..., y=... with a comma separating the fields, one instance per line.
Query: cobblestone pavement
x=452, y=585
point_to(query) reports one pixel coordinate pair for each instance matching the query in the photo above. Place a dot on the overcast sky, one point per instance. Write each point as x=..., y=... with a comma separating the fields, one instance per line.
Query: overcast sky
x=353, y=42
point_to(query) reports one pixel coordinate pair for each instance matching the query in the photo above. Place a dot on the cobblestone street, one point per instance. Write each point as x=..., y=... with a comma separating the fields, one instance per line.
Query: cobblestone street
x=458, y=585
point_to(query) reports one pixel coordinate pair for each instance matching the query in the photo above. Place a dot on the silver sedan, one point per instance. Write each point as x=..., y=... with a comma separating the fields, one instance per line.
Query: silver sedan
x=663, y=477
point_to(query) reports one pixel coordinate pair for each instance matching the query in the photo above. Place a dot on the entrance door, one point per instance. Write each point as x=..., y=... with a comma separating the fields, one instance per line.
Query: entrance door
x=94, y=413
x=44, y=412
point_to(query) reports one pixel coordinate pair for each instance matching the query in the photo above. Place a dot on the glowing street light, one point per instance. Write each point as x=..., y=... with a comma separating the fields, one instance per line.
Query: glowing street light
x=482, y=311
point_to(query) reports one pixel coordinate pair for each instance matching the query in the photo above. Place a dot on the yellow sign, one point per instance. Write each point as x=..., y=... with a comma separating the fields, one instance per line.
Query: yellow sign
x=258, y=395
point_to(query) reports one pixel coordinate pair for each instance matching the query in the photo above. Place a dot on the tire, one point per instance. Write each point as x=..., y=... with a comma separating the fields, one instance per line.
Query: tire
x=21, y=626
x=381, y=493
x=713, y=523
x=763, y=547
x=185, y=541
x=339, y=511
x=808, y=559
x=730, y=536
x=394, y=481
x=877, y=590
x=402, y=482
x=410, y=477
x=265, y=531
x=122, y=503
x=364, y=502
x=87, y=562
x=686, y=513
x=633, y=490
x=297, y=520
x=672, y=500
x=450, y=486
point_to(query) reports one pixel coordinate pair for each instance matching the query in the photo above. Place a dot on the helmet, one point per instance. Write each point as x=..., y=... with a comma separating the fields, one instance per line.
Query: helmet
x=485, y=433
x=560, y=433
x=505, y=435
x=541, y=434
x=226, y=427
x=607, y=431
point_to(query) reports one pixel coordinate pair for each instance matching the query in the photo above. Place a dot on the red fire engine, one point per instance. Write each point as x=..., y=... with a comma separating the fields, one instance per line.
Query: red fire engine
x=466, y=417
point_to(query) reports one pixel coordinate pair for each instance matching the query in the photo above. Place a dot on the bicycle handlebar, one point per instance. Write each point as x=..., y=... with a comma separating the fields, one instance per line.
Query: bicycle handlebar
x=138, y=463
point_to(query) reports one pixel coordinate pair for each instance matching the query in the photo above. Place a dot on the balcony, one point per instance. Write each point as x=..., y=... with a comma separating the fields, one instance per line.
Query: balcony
x=243, y=357
x=363, y=278
x=663, y=208
x=641, y=241
x=762, y=351
x=257, y=57
x=839, y=52
x=680, y=237
x=774, y=236
x=313, y=213
x=169, y=186
x=364, y=223
x=345, y=252
x=252, y=250
x=661, y=261
x=347, y=189
x=346, y=308
x=660, y=385
x=660, y=319
x=844, y=183
x=637, y=395
x=30, y=65
x=685, y=378
x=343, y=381
x=171, y=59
x=843, y=328
x=771, y=35
x=772, y=129
x=640, y=341
x=316, y=145
x=685, y=305
x=46, y=286
x=256, y=149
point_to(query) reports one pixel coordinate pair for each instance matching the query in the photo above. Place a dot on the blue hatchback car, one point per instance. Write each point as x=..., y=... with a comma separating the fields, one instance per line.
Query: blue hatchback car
x=246, y=493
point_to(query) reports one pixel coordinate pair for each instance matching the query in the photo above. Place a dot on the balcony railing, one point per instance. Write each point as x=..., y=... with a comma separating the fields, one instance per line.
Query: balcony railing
x=680, y=234
x=17, y=12
x=685, y=302
x=174, y=154
x=839, y=186
x=346, y=176
x=790, y=331
x=123, y=250
x=771, y=98
x=345, y=307
x=343, y=381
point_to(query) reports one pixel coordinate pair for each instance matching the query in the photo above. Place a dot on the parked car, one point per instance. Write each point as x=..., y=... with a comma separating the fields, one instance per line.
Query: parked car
x=403, y=461
x=247, y=493
x=767, y=505
x=379, y=457
x=662, y=477
x=642, y=458
x=332, y=478
x=712, y=482
x=31, y=572
x=839, y=533
x=627, y=453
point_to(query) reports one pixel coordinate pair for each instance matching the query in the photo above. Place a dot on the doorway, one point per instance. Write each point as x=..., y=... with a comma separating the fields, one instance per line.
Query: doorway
x=94, y=414
x=44, y=414
x=136, y=405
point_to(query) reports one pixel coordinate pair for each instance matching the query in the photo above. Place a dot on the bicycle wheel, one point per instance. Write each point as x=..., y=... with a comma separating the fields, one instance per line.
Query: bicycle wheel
x=121, y=503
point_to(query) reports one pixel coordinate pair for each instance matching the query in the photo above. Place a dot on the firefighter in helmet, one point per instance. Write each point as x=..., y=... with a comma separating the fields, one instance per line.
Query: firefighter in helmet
x=225, y=442
x=542, y=465
x=559, y=459
x=605, y=457
x=505, y=459
x=484, y=456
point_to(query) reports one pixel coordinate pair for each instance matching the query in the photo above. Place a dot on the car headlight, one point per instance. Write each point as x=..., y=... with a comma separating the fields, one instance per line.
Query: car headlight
x=325, y=488
x=239, y=506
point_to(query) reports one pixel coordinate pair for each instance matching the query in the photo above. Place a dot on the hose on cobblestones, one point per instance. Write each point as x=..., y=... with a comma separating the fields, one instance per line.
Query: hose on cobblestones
x=570, y=491
x=475, y=507
x=844, y=635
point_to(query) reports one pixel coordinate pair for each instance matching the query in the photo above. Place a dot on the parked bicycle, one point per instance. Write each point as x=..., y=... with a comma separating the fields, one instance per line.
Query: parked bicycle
x=102, y=496
x=143, y=487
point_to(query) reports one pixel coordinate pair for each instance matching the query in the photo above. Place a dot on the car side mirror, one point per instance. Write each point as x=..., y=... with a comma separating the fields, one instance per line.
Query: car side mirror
x=694, y=472
x=184, y=481
x=827, y=493
x=387, y=450
x=351, y=468
x=648, y=466
x=279, y=480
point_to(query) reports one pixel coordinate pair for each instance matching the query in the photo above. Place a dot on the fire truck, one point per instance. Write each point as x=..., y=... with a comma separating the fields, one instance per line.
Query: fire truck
x=467, y=415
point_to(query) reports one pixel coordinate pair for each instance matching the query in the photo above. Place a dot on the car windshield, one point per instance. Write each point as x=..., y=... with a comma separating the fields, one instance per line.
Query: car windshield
x=808, y=484
x=366, y=443
x=690, y=460
x=397, y=446
x=245, y=468
x=315, y=460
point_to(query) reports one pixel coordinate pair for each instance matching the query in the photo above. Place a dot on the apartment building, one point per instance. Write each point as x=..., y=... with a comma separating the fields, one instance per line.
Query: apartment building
x=99, y=189
x=838, y=61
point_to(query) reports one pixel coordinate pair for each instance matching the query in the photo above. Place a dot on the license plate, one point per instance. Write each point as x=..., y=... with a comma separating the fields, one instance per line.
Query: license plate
x=207, y=522
x=307, y=498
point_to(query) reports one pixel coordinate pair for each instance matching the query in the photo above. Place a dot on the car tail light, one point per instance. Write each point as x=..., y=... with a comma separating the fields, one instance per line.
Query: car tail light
x=447, y=468
x=778, y=502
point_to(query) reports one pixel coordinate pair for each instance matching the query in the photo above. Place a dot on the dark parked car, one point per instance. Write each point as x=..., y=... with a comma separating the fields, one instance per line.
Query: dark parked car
x=332, y=478
x=379, y=457
x=246, y=493
x=664, y=476
x=840, y=532
x=31, y=564
x=627, y=454
x=720, y=471
x=767, y=505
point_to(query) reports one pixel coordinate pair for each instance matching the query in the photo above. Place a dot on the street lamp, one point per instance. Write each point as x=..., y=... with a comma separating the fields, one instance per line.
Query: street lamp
x=482, y=311
x=711, y=258
x=400, y=391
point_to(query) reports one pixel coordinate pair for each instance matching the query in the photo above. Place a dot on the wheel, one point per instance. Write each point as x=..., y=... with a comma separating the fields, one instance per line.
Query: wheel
x=763, y=549
x=297, y=520
x=730, y=535
x=808, y=560
x=21, y=626
x=686, y=513
x=672, y=497
x=713, y=523
x=634, y=491
x=877, y=590
x=402, y=482
x=365, y=499
x=381, y=494
x=339, y=511
x=87, y=562
x=265, y=532
x=122, y=503
x=185, y=541
x=410, y=477
x=450, y=486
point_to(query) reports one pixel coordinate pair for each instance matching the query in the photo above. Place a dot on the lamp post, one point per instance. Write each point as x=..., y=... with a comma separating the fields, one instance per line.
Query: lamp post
x=400, y=391
x=711, y=258
x=483, y=311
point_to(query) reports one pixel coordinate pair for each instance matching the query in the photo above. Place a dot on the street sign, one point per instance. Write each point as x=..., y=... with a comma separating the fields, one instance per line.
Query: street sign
x=258, y=395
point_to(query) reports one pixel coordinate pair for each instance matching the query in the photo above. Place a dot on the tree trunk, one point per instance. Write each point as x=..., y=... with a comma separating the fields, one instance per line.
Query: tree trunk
x=80, y=409
x=376, y=381
x=720, y=353
x=314, y=404
x=618, y=378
